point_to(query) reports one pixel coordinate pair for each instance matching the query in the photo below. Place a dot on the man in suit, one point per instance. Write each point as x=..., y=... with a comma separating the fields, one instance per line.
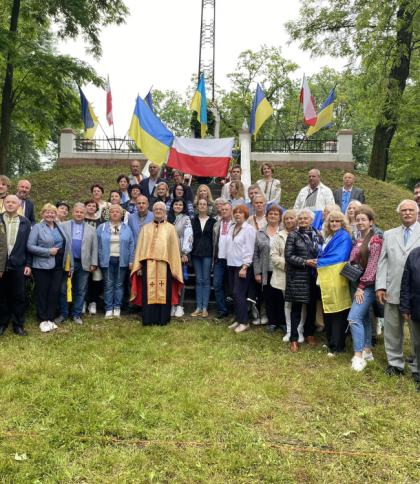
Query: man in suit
x=84, y=242
x=348, y=192
x=397, y=245
x=23, y=189
x=148, y=185
x=17, y=265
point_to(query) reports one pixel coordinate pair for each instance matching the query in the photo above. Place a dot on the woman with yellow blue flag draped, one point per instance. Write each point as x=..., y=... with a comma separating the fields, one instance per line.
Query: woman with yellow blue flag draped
x=335, y=290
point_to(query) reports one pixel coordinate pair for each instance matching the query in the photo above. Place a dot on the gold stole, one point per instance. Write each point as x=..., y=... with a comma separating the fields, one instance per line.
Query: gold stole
x=156, y=281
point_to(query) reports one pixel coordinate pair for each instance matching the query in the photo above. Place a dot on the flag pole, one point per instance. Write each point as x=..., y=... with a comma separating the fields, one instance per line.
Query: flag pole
x=105, y=134
x=138, y=95
x=297, y=118
x=282, y=132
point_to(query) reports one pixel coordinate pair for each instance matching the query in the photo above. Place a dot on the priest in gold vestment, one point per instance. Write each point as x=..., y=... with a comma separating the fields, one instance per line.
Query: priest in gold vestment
x=156, y=275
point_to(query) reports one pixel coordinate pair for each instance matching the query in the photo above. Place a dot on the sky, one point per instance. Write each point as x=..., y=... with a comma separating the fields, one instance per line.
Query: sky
x=159, y=46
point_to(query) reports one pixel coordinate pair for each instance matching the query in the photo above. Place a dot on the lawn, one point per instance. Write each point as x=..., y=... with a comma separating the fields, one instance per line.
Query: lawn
x=87, y=398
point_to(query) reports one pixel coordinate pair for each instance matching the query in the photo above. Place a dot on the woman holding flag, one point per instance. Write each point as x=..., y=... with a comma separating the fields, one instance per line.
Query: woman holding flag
x=335, y=292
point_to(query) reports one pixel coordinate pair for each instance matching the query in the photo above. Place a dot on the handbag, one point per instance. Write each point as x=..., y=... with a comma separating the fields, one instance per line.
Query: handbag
x=352, y=272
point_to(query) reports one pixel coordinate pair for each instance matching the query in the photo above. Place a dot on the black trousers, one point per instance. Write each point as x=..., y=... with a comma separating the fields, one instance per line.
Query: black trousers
x=12, y=298
x=335, y=329
x=239, y=287
x=310, y=312
x=94, y=289
x=274, y=303
x=47, y=291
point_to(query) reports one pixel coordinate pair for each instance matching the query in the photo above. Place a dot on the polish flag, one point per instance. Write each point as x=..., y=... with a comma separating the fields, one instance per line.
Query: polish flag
x=309, y=109
x=109, y=104
x=201, y=157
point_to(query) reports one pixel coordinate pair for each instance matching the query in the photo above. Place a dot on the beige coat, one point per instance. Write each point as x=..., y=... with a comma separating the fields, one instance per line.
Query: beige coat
x=278, y=279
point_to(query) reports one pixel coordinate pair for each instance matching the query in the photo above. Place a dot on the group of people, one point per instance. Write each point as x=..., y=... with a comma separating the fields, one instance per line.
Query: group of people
x=324, y=259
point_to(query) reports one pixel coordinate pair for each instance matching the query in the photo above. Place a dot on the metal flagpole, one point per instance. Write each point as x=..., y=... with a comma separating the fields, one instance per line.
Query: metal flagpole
x=281, y=129
x=105, y=134
x=297, y=119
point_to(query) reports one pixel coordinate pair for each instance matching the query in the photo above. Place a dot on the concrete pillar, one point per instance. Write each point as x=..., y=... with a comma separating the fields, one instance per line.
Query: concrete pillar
x=217, y=118
x=345, y=141
x=245, y=144
x=68, y=141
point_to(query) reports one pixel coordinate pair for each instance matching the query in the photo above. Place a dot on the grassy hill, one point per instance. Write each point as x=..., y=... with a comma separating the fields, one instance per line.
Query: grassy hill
x=73, y=185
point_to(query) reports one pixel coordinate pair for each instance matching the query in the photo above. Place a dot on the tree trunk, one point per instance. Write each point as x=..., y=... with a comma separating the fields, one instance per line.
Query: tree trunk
x=7, y=95
x=398, y=76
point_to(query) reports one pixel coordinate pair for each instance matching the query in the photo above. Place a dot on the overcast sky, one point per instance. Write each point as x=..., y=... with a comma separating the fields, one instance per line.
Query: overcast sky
x=159, y=46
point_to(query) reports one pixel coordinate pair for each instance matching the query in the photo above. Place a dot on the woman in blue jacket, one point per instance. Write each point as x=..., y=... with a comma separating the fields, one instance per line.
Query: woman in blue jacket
x=49, y=247
x=116, y=254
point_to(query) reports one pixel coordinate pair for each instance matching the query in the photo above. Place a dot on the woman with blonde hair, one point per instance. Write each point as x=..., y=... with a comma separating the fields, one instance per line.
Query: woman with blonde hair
x=335, y=290
x=204, y=192
x=269, y=186
x=351, y=215
x=236, y=193
x=160, y=194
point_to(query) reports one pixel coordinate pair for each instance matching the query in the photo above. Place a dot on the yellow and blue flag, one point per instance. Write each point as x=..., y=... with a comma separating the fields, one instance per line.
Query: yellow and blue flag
x=261, y=110
x=149, y=133
x=89, y=119
x=324, y=116
x=335, y=290
x=199, y=104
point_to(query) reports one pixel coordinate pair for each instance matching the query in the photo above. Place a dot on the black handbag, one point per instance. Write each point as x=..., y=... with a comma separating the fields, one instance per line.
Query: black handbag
x=352, y=272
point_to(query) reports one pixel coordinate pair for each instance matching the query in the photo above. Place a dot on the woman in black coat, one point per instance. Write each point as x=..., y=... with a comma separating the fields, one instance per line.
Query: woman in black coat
x=202, y=256
x=301, y=252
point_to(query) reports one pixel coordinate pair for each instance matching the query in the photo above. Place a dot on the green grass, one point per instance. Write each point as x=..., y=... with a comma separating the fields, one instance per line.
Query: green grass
x=73, y=185
x=195, y=381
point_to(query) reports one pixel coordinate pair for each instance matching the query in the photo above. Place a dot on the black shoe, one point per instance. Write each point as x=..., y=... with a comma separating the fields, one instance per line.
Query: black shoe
x=221, y=315
x=393, y=370
x=415, y=376
x=20, y=332
x=409, y=359
x=272, y=329
x=2, y=329
x=374, y=342
x=129, y=311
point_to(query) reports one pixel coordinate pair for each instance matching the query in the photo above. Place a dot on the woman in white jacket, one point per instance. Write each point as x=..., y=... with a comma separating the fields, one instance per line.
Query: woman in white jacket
x=269, y=186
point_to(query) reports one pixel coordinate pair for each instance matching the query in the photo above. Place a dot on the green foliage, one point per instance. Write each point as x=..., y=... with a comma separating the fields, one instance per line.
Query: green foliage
x=172, y=110
x=23, y=156
x=196, y=125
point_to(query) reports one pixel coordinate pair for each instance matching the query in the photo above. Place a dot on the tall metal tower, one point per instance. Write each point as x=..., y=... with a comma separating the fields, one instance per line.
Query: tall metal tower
x=207, y=42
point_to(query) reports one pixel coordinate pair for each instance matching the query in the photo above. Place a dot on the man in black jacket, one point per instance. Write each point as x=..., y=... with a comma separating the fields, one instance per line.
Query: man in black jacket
x=23, y=189
x=148, y=185
x=18, y=265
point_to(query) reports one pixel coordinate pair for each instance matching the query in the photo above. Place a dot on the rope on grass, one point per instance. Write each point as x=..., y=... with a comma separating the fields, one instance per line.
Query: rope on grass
x=283, y=446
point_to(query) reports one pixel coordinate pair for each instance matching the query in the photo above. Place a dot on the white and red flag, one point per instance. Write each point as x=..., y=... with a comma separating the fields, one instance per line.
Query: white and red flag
x=109, y=117
x=309, y=109
x=201, y=157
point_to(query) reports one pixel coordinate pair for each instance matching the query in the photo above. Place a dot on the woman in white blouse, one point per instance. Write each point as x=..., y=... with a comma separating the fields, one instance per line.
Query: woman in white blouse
x=240, y=251
x=270, y=187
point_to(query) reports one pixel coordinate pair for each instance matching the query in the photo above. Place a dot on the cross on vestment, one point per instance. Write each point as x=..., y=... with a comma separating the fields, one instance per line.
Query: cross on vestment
x=152, y=284
x=161, y=283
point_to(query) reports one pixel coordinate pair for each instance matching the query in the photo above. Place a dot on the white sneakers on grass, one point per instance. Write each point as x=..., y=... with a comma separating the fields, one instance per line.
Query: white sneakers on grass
x=117, y=312
x=358, y=364
x=92, y=308
x=179, y=312
x=368, y=356
x=109, y=314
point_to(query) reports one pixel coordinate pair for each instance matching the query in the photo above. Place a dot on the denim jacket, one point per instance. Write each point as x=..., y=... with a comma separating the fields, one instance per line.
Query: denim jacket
x=39, y=244
x=126, y=245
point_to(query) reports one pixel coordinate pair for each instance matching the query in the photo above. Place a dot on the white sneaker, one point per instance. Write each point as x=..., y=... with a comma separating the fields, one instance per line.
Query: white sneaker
x=117, y=312
x=179, y=312
x=301, y=338
x=242, y=328
x=84, y=308
x=92, y=308
x=286, y=337
x=173, y=309
x=379, y=327
x=330, y=354
x=264, y=319
x=108, y=315
x=358, y=364
x=233, y=326
x=368, y=356
x=256, y=322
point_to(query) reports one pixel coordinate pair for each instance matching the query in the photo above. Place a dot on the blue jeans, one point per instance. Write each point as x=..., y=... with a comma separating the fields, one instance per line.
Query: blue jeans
x=113, y=277
x=79, y=284
x=359, y=319
x=202, y=269
x=219, y=271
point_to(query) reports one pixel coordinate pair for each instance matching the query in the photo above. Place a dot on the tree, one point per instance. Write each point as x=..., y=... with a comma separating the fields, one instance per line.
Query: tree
x=39, y=85
x=379, y=39
x=172, y=110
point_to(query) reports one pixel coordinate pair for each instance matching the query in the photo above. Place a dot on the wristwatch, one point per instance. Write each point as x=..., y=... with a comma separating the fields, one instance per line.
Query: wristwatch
x=244, y=267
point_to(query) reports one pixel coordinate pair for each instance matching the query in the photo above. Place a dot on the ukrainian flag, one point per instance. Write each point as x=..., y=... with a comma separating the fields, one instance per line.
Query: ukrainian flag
x=199, y=104
x=261, y=110
x=335, y=290
x=324, y=116
x=149, y=133
x=148, y=101
x=89, y=119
